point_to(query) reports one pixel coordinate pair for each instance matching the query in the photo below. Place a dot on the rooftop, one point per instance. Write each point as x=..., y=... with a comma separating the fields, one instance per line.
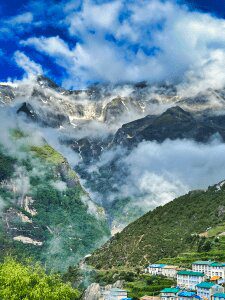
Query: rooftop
x=203, y=262
x=205, y=285
x=187, y=294
x=170, y=290
x=171, y=267
x=157, y=266
x=215, y=278
x=217, y=264
x=190, y=273
x=220, y=295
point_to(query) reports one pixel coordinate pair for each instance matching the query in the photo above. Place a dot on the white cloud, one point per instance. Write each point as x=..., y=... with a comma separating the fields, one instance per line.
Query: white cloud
x=20, y=19
x=59, y=185
x=12, y=26
x=29, y=66
x=96, y=16
x=115, y=42
x=53, y=46
x=161, y=172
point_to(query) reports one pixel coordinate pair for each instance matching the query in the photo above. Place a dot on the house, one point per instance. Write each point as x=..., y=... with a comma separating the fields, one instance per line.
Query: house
x=203, y=267
x=187, y=295
x=207, y=289
x=170, y=271
x=209, y=268
x=218, y=269
x=218, y=296
x=156, y=269
x=115, y=294
x=169, y=293
x=189, y=279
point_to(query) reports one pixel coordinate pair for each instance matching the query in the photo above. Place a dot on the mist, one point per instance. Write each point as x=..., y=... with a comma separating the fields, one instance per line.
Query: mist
x=158, y=173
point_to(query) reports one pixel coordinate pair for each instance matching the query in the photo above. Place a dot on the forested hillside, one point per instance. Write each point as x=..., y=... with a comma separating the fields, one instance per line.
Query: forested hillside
x=181, y=225
x=45, y=213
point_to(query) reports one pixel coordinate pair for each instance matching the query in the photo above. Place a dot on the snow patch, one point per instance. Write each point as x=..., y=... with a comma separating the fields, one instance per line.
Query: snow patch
x=219, y=185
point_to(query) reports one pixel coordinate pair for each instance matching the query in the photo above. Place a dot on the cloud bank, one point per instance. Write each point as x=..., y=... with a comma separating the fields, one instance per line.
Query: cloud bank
x=129, y=41
x=158, y=173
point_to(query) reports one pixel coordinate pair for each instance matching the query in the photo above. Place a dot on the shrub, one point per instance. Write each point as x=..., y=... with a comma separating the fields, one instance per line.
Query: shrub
x=18, y=281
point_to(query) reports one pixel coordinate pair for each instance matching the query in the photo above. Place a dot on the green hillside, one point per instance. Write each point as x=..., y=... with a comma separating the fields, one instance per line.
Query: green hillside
x=193, y=223
x=44, y=211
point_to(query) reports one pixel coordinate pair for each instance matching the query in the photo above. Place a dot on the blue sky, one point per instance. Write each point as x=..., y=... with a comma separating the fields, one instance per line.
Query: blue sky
x=80, y=42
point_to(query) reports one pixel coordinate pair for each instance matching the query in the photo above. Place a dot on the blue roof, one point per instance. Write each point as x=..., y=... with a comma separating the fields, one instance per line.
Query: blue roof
x=127, y=299
x=205, y=285
x=217, y=264
x=187, y=294
x=220, y=295
x=157, y=266
x=170, y=290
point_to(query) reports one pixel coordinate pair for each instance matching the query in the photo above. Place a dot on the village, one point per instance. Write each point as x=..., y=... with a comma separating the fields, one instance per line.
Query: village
x=204, y=281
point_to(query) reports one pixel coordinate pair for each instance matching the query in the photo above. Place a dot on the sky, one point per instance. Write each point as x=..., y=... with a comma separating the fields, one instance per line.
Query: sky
x=77, y=43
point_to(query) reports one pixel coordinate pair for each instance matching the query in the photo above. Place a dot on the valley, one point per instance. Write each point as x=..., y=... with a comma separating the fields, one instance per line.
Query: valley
x=73, y=175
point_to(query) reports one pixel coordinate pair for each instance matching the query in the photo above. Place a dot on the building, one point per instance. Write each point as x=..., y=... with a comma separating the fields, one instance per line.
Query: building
x=218, y=269
x=187, y=295
x=156, y=269
x=170, y=271
x=203, y=267
x=189, y=279
x=209, y=268
x=169, y=293
x=115, y=294
x=218, y=296
x=207, y=289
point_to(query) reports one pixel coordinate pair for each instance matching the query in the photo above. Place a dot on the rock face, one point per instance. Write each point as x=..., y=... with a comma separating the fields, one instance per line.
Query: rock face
x=6, y=94
x=93, y=292
x=44, y=118
x=115, y=109
x=28, y=110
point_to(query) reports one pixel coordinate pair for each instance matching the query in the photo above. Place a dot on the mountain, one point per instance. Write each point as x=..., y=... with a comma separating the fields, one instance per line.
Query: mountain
x=45, y=213
x=100, y=116
x=174, y=123
x=179, y=226
x=97, y=128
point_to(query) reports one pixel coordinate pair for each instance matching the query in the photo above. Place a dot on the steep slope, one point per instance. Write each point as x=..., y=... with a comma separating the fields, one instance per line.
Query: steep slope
x=166, y=231
x=44, y=211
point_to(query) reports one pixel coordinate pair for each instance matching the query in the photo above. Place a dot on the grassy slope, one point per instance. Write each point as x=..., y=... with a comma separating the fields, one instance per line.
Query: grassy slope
x=215, y=251
x=63, y=223
x=166, y=231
